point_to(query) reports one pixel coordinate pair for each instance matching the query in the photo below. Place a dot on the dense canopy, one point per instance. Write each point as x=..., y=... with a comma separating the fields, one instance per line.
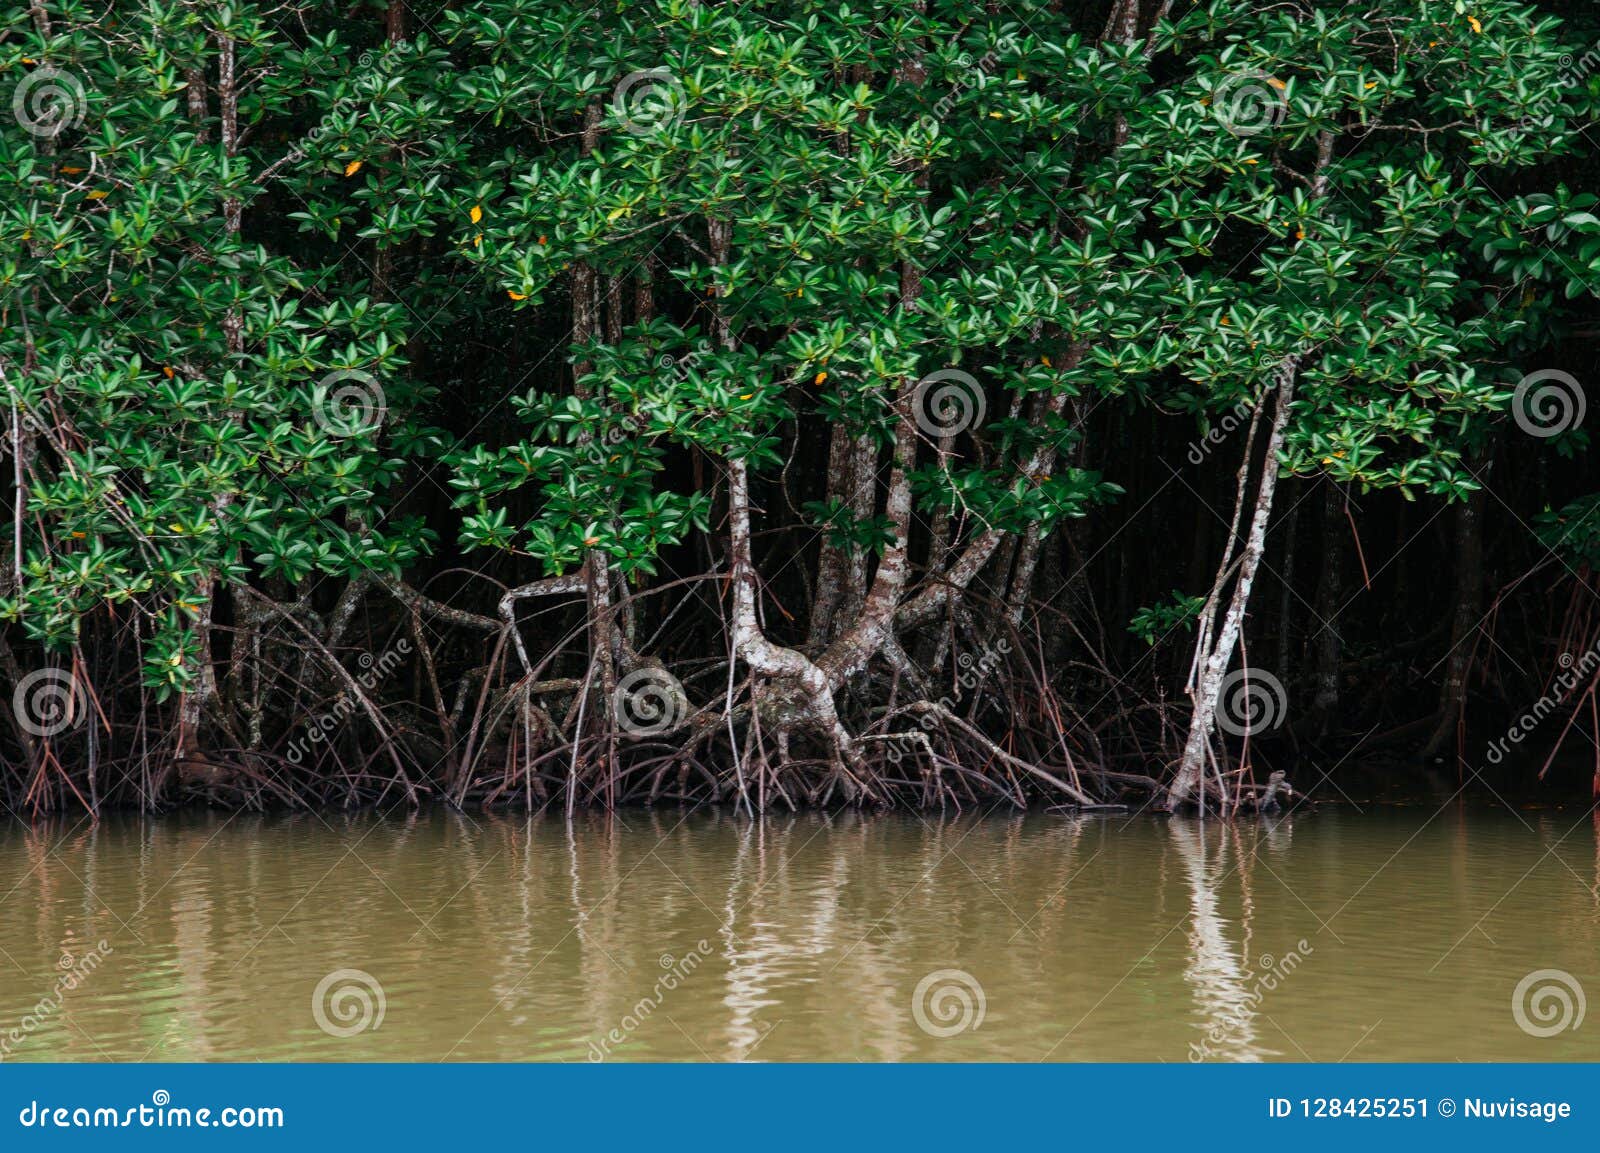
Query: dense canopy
x=780, y=402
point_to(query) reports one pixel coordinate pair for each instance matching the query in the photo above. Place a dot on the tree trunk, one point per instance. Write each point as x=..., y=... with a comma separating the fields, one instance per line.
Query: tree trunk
x=1212, y=658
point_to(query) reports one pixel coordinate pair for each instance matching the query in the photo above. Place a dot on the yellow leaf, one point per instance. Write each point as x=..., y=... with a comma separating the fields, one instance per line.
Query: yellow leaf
x=591, y=540
x=1371, y=85
x=997, y=116
x=516, y=295
x=1045, y=360
x=746, y=395
x=97, y=194
x=1276, y=83
x=175, y=526
x=1476, y=27
x=1300, y=234
x=477, y=240
x=29, y=60
x=353, y=167
x=476, y=214
x=616, y=212
x=166, y=370
x=819, y=378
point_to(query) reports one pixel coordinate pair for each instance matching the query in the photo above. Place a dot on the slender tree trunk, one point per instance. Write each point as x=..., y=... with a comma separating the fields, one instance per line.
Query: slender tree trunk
x=1213, y=655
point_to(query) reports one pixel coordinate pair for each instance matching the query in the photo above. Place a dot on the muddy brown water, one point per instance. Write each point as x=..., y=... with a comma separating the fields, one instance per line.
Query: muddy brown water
x=1393, y=934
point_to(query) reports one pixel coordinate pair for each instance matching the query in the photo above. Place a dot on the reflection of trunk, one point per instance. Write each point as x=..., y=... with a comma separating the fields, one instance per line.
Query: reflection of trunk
x=1330, y=647
x=1468, y=612
x=1214, y=970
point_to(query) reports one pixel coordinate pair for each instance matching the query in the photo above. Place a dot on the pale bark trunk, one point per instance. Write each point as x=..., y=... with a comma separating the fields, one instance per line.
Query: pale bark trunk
x=1212, y=663
x=1213, y=656
x=832, y=559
